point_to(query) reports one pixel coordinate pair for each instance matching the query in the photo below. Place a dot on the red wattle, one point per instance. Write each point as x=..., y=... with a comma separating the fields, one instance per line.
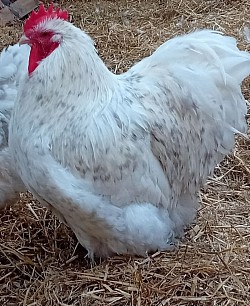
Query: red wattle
x=34, y=59
x=39, y=52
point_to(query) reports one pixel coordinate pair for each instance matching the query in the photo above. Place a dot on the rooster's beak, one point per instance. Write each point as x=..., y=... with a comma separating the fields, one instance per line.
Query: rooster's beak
x=24, y=40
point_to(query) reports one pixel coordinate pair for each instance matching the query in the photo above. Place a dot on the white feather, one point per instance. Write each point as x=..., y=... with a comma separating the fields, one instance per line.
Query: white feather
x=13, y=66
x=121, y=158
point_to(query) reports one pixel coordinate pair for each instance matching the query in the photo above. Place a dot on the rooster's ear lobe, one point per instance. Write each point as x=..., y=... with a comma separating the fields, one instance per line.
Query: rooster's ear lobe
x=42, y=14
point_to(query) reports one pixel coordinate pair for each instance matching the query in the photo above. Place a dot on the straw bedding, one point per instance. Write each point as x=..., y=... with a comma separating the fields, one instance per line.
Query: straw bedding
x=41, y=262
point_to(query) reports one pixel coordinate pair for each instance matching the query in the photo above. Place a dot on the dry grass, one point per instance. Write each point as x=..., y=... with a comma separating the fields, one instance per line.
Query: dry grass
x=40, y=260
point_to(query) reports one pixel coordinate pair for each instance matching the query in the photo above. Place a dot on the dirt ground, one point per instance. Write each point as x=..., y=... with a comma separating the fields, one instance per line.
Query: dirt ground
x=41, y=262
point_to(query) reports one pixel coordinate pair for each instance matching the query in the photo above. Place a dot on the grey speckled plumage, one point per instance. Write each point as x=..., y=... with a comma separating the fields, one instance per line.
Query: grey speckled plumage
x=13, y=66
x=121, y=158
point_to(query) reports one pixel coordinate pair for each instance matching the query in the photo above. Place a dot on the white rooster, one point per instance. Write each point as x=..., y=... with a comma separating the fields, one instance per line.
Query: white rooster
x=13, y=65
x=120, y=158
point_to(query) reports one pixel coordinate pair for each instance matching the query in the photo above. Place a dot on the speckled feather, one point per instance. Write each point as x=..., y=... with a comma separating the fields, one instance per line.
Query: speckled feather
x=120, y=158
x=13, y=65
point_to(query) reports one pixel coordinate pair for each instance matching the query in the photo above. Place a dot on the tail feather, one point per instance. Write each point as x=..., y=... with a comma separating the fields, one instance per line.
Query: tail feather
x=202, y=71
x=212, y=66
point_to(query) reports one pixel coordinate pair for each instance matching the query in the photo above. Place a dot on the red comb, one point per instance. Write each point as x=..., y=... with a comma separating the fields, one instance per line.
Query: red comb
x=42, y=14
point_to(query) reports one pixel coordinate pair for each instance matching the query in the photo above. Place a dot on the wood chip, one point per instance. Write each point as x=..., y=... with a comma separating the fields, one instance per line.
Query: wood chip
x=21, y=8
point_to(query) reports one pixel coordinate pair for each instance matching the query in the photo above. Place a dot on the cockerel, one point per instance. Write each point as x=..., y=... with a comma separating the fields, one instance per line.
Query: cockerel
x=120, y=158
x=13, y=65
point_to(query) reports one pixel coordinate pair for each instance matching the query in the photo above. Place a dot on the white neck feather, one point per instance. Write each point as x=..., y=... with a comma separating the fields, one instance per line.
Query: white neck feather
x=76, y=66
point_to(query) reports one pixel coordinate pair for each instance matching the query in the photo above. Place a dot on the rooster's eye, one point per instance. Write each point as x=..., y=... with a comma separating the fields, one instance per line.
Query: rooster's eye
x=45, y=34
